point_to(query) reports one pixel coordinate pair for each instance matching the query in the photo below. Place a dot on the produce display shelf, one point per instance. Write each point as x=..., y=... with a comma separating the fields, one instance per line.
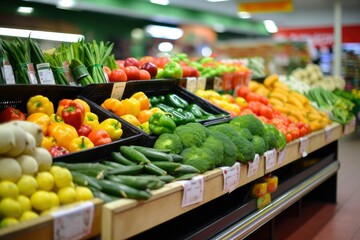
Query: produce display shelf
x=125, y=218
x=42, y=228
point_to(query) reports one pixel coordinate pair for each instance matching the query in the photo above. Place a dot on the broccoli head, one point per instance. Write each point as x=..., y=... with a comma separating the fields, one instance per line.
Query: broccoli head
x=199, y=158
x=251, y=122
x=169, y=141
x=280, y=141
x=270, y=135
x=259, y=145
x=244, y=132
x=191, y=135
x=216, y=147
x=229, y=157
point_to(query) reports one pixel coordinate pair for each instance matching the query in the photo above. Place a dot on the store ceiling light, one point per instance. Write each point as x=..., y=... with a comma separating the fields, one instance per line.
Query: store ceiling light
x=66, y=4
x=160, y=2
x=270, y=26
x=25, y=10
x=44, y=35
x=165, y=47
x=157, y=31
x=244, y=15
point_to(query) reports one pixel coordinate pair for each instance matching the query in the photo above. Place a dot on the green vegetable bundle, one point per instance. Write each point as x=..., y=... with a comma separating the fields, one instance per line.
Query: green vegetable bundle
x=56, y=60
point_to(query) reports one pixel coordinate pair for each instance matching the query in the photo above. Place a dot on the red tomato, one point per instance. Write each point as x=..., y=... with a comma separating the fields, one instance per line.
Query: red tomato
x=161, y=61
x=144, y=75
x=194, y=72
x=186, y=71
x=243, y=91
x=294, y=131
x=302, y=131
x=118, y=75
x=107, y=70
x=132, y=73
x=265, y=111
x=252, y=97
x=131, y=61
x=255, y=107
x=121, y=63
x=288, y=137
x=246, y=111
x=264, y=100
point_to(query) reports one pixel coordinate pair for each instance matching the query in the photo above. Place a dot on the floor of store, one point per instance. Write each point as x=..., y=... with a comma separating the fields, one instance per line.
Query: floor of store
x=326, y=221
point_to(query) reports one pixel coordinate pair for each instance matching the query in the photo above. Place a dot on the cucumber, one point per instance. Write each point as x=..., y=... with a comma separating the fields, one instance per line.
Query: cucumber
x=132, y=181
x=83, y=180
x=122, y=190
x=153, y=154
x=93, y=173
x=119, y=158
x=134, y=155
x=83, y=166
x=169, y=167
x=105, y=197
x=186, y=176
x=153, y=169
x=176, y=157
x=184, y=169
x=166, y=178
x=111, y=164
x=126, y=170
x=156, y=185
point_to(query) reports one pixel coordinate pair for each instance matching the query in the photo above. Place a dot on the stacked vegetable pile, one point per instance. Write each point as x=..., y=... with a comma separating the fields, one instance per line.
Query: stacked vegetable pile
x=29, y=185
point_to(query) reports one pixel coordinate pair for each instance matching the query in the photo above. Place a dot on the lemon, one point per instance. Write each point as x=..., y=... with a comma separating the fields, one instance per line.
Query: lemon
x=49, y=211
x=27, y=185
x=41, y=200
x=67, y=195
x=8, y=189
x=25, y=202
x=53, y=169
x=62, y=178
x=45, y=181
x=83, y=193
x=10, y=208
x=55, y=201
x=27, y=215
x=8, y=221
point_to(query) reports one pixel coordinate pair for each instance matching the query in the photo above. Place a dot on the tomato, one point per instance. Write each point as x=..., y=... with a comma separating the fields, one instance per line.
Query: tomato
x=255, y=107
x=302, y=131
x=288, y=137
x=246, y=111
x=294, y=131
x=264, y=100
x=144, y=75
x=131, y=61
x=263, y=119
x=265, y=111
x=252, y=97
x=107, y=70
x=132, y=73
x=121, y=63
x=118, y=75
x=161, y=61
x=243, y=91
x=186, y=71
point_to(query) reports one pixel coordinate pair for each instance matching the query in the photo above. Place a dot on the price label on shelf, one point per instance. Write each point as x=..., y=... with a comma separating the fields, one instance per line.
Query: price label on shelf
x=74, y=222
x=45, y=73
x=68, y=74
x=31, y=73
x=328, y=133
x=304, y=142
x=118, y=90
x=231, y=177
x=217, y=84
x=270, y=159
x=193, y=191
x=253, y=166
x=191, y=84
x=201, y=83
x=8, y=73
x=281, y=157
x=349, y=126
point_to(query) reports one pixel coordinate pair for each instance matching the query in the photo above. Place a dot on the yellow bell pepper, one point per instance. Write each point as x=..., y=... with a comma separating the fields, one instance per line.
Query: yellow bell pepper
x=114, y=105
x=54, y=118
x=91, y=119
x=143, y=99
x=41, y=104
x=63, y=133
x=85, y=104
x=79, y=144
x=131, y=106
x=48, y=142
x=41, y=119
x=112, y=127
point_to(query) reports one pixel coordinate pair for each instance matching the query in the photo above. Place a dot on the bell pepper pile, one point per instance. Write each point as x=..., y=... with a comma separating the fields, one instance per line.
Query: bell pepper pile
x=73, y=127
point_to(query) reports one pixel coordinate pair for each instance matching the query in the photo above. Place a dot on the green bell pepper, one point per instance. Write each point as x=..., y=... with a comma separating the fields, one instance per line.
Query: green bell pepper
x=172, y=70
x=176, y=101
x=164, y=107
x=160, y=123
x=154, y=100
x=198, y=111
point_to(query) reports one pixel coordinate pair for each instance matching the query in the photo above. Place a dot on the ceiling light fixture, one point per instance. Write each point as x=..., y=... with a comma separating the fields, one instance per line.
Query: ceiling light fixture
x=217, y=0
x=66, y=4
x=25, y=10
x=158, y=31
x=44, y=35
x=244, y=15
x=160, y=2
x=270, y=26
x=165, y=47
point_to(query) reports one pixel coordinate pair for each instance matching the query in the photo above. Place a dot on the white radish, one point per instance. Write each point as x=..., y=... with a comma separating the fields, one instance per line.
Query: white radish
x=30, y=144
x=32, y=128
x=20, y=141
x=28, y=164
x=43, y=157
x=9, y=169
x=7, y=139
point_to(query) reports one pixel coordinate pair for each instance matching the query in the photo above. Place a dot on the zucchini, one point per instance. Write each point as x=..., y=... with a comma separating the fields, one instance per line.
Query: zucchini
x=176, y=157
x=83, y=180
x=156, y=185
x=111, y=164
x=83, y=166
x=153, y=154
x=184, y=169
x=153, y=169
x=166, y=178
x=105, y=197
x=126, y=170
x=132, y=181
x=93, y=173
x=169, y=167
x=186, y=176
x=122, y=190
x=134, y=155
x=119, y=158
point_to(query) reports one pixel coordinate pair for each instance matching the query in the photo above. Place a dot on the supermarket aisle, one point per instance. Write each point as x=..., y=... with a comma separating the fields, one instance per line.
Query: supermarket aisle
x=329, y=221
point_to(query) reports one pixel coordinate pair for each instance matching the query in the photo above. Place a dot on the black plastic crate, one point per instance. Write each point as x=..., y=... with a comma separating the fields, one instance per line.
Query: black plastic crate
x=18, y=95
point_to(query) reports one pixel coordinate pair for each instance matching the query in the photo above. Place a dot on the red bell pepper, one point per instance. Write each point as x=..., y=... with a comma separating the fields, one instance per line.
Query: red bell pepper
x=56, y=151
x=11, y=113
x=84, y=130
x=99, y=137
x=73, y=114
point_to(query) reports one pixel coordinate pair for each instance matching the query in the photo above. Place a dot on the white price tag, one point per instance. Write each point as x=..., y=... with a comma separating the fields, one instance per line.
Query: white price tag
x=193, y=191
x=68, y=73
x=8, y=74
x=281, y=157
x=231, y=177
x=270, y=159
x=350, y=125
x=31, y=74
x=201, y=83
x=217, y=84
x=253, y=166
x=46, y=76
x=73, y=223
x=191, y=84
x=304, y=142
x=328, y=133
x=118, y=90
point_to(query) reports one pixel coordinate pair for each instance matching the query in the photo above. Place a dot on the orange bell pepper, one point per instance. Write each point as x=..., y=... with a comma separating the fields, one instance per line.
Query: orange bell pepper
x=41, y=119
x=114, y=105
x=131, y=106
x=144, y=115
x=63, y=133
x=143, y=99
x=99, y=137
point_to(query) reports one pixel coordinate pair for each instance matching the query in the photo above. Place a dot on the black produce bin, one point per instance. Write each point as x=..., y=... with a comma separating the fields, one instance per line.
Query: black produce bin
x=18, y=95
x=99, y=92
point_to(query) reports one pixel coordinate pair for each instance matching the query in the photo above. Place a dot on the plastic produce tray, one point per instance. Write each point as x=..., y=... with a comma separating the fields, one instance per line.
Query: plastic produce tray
x=18, y=95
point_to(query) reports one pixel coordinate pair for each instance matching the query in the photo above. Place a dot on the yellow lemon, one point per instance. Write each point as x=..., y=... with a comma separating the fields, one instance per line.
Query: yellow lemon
x=49, y=211
x=67, y=195
x=55, y=201
x=41, y=200
x=28, y=215
x=62, y=178
x=53, y=169
x=83, y=193
x=25, y=203
x=10, y=208
x=27, y=185
x=45, y=181
x=8, y=221
x=8, y=189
